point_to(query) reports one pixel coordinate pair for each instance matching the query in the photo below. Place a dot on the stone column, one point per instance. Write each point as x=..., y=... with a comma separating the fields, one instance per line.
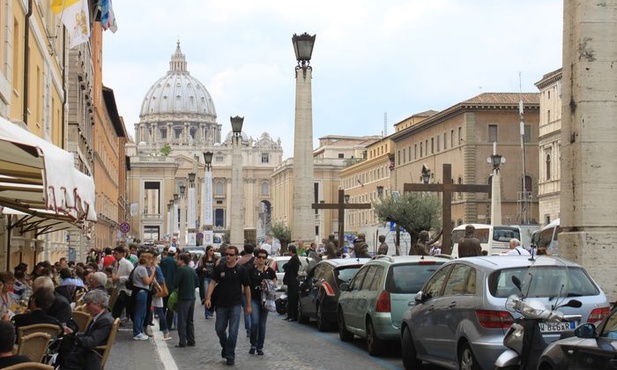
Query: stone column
x=236, y=227
x=303, y=227
x=589, y=139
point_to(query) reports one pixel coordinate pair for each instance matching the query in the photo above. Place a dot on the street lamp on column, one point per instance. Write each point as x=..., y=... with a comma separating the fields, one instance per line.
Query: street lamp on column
x=495, y=160
x=170, y=230
x=182, y=238
x=426, y=174
x=303, y=227
x=191, y=210
x=176, y=231
x=207, y=216
x=236, y=232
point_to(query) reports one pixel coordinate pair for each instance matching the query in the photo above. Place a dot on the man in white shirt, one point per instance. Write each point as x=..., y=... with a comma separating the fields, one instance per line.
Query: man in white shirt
x=120, y=274
x=516, y=249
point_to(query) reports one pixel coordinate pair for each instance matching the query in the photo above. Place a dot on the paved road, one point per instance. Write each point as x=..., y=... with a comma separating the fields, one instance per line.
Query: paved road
x=288, y=346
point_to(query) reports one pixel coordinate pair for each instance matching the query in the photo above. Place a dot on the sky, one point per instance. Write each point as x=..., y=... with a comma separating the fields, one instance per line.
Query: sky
x=375, y=62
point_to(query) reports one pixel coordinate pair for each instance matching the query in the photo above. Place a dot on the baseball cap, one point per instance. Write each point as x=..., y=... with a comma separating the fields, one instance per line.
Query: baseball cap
x=171, y=250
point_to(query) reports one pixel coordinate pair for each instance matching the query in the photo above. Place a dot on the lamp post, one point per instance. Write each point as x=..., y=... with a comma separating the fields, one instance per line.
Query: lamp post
x=426, y=174
x=303, y=227
x=207, y=200
x=170, y=230
x=236, y=232
x=176, y=232
x=495, y=160
x=182, y=238
x=191, y=211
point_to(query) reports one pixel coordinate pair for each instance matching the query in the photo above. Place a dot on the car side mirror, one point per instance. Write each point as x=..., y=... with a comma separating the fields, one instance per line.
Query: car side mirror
x=344, y=287
x=585, y=331
x=419, y=298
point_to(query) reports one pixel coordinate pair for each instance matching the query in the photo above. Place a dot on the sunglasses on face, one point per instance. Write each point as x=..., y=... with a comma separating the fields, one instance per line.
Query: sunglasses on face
x=262, y=257
x=230, y=254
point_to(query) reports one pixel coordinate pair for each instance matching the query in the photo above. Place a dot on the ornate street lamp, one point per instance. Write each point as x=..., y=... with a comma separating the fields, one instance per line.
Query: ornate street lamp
x=236, y=232
x=303, y=47
x=207, y=202
x=426, y=175
x=495, y=160
x=303, y=227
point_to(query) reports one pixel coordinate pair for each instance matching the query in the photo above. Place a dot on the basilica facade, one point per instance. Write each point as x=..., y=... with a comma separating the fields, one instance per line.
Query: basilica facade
x=167, y=192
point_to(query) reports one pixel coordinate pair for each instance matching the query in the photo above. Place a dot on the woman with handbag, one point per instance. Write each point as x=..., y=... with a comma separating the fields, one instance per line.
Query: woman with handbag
x=205, y=268
x=160, y=292
x=258, y=273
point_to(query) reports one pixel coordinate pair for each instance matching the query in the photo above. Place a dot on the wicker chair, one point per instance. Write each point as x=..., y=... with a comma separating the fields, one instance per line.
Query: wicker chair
x=30, y=366
x=34, y=346
x=103, y=351
x=51, y=329
x=82, y=319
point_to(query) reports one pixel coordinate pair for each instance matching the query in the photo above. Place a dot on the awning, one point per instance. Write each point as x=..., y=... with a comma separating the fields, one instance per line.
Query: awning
x=40, y=179
x=42, y=222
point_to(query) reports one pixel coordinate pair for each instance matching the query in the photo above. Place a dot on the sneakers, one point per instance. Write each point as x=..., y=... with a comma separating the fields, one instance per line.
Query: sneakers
x=260, y=352
x=141, y=336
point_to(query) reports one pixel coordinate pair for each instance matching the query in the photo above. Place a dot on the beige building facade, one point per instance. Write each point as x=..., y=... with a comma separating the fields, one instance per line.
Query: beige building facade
x=463, y=136
x=549, y=147
x=178, y=115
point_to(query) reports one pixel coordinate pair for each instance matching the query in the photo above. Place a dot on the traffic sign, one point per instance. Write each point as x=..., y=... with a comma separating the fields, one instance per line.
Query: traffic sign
x=125, y=227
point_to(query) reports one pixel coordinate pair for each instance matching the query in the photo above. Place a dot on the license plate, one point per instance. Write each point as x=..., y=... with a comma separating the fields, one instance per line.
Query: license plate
x=556, y=327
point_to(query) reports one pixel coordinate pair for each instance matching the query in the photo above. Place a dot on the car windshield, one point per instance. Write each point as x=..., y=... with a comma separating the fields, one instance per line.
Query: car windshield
x=344, y=274
x=409, y=278
x=545, y=281
x=610, y=328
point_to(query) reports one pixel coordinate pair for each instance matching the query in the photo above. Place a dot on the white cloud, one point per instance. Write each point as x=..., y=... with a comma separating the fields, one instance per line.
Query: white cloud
x=370, y=57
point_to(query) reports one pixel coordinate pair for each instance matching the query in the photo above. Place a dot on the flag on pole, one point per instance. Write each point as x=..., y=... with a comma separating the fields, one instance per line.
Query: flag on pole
x=108, y=19
x=76, y=18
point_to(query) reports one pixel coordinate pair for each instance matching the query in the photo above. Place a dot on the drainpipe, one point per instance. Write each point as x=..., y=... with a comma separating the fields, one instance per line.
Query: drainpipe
x=26, y=61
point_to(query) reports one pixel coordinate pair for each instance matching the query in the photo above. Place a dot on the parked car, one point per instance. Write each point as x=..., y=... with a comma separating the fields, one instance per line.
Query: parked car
x=319, y=292
x=589, y=348
x=459, y=318
x=372, y=304
x=278, y=262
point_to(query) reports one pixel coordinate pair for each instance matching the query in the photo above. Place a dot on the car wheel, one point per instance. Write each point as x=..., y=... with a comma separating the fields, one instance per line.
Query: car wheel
x=374, y=344
x=343, y=333
x=466, y=359
x=302, y=318
x=322, y=323
x=408, y=350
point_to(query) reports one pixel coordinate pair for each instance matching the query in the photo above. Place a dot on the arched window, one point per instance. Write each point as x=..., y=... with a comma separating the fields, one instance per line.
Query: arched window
x=219, y=188
x=265, y=188
x=528, y=185
x=548, y=166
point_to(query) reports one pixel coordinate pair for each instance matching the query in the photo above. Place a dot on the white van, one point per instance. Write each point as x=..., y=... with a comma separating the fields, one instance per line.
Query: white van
x=493, y=239
x=547, y=236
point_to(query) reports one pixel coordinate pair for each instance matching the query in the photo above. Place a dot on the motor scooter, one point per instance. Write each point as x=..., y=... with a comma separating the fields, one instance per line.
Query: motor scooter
x=524, y=341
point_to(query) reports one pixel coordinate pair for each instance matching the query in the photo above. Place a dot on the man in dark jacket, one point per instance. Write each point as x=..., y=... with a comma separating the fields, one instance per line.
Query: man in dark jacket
x=469, y=246
x=81, y=355
x=291, y=280
x=186, y=282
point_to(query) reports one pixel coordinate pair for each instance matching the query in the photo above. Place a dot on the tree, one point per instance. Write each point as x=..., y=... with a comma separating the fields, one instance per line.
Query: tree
x=282, y=233
x=165, y=150
x=413, y=211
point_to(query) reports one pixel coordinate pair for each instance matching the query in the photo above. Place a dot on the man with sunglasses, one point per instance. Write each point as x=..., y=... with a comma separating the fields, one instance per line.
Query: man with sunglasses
x=230, y=280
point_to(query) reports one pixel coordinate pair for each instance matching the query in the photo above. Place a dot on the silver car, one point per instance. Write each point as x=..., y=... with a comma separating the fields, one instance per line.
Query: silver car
x=459, y=318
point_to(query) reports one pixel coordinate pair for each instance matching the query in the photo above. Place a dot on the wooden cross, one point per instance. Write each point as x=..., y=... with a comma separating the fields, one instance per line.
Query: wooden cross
x=447, y=188
x=341, y=206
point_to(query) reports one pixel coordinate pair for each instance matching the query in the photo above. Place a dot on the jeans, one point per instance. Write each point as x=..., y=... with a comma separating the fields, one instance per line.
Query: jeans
x=160, y=312
x=247, y=318
x=207, y=311
x=186, y=327
x=259, y=317
x=141, y=302
x=228, y=316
